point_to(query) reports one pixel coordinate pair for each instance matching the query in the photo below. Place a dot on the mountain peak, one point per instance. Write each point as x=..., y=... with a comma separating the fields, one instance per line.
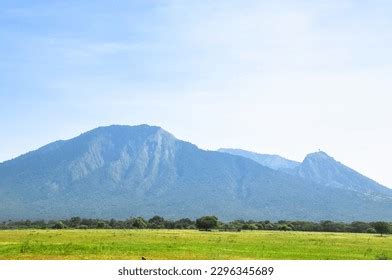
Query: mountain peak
x=116, y=127
x=321, y=168
x=124, y=131
x=319, y=155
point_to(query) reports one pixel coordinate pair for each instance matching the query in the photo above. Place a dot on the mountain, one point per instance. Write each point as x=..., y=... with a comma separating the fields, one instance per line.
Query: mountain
x=122, y=171
x=321, y=168
x=275, y=162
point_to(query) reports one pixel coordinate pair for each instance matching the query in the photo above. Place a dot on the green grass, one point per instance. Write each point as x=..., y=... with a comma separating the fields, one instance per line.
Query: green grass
x=189, y=244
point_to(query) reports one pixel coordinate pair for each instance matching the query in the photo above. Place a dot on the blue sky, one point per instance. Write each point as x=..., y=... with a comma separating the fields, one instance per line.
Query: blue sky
x=284, y=77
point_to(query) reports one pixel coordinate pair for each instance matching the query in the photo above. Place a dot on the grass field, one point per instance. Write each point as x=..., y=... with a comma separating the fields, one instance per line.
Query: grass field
x=189, y=244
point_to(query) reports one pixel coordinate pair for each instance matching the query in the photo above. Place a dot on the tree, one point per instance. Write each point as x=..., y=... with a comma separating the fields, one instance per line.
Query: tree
x=156, y=222
x=371, y=230
x=358, y=226
x=381, y=227
x=183, y=223
x=330, y=226
x=139, y=222
x=113, y=223
x=101, y=224
x=284, y=227
x=58, y=225
x=252, y=227
x=249, y=226
x=75, y=222
x=207, y=223
x=170, y=224
x=260, y=226
x=269, y=226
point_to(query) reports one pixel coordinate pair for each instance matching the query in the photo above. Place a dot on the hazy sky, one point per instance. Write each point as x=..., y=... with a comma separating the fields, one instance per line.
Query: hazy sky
x=283, y=77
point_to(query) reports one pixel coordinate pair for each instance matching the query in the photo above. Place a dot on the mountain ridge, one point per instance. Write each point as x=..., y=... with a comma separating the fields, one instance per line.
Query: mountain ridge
x=275, y=162
x=122, y=171
x=302, y=168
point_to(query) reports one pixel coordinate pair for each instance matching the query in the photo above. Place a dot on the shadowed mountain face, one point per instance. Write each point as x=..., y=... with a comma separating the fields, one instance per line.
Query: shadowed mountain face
x=122, y=171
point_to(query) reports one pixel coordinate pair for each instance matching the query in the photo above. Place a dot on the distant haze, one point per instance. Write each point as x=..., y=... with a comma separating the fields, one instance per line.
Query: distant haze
x=274, y=77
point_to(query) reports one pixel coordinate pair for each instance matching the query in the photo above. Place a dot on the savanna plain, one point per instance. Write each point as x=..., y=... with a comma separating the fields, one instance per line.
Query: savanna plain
x=105, y=244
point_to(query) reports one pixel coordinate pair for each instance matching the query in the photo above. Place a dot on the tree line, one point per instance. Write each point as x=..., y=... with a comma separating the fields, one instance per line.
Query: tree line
x=203, y=223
